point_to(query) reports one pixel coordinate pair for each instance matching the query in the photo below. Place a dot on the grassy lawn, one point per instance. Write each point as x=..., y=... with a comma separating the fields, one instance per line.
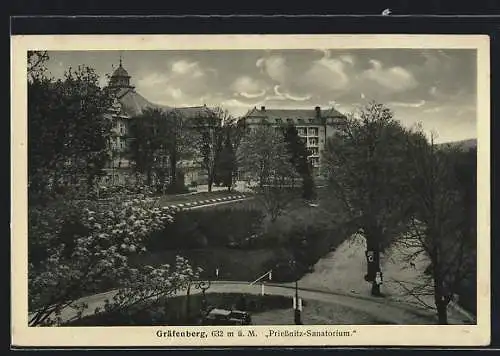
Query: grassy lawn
x=248, y=263
x=317, y=313
x=174, y=310
x=233, y=264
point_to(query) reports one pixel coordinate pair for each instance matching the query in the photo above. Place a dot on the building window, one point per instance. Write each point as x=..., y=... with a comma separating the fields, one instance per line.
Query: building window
x=302, y=131
x=279, y=121
x=289, y=121
x=311, y=121
x=300, y=121
x=313, y=131
x=313, y=141
x=314, y=161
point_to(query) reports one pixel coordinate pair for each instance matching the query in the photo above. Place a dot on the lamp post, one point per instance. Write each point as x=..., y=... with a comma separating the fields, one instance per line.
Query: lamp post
x=297, y=313
x=203, y=285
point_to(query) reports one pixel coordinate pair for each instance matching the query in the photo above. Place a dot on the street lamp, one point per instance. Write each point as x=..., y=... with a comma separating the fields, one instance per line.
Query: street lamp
x=297, y=314
x=203, y=285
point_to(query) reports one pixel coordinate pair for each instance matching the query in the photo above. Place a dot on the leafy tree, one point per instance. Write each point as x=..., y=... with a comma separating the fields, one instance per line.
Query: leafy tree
x=36, y=64
x=68, y=131
x=80, y=248
x=443, y=228
x=299, y=153
x=161, y=140
x=209, y=128
x=145, y=148
x=365, y=164
x=226, y=163
x=263, y=158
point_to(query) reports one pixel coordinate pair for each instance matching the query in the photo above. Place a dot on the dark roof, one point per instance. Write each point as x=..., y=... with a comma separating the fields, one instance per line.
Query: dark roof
x=292, y=113
x=194, y=111
x=120, y=72
x=133, y=103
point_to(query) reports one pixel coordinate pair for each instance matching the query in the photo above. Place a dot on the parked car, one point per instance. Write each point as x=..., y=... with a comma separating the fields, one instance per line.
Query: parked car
x=218, y=316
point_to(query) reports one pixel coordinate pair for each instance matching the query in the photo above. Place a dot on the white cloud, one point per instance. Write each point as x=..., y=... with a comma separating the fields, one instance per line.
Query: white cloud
x=290, y=96
x=183, y=67
x=347, y=59
x=274, y=66
x=185, y=80
x=175, y=93
x=434, y=109
x=393, y=79
x=248, y=87
x=408, y=105
x=327, y=73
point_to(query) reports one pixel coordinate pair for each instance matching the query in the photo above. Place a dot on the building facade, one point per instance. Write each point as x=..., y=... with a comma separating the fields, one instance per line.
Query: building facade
x=128, y=104
x=314, y=126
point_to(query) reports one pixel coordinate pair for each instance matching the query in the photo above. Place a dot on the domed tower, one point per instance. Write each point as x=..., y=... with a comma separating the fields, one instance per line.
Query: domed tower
x=120, y=78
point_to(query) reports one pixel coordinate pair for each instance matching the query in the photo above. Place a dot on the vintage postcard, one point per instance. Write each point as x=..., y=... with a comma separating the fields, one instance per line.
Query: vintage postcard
x=250, y=190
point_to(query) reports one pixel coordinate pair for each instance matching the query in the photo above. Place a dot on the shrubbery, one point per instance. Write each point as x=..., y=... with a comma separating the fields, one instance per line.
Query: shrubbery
x=197, y=229
x=80, y=247
x=172, y=310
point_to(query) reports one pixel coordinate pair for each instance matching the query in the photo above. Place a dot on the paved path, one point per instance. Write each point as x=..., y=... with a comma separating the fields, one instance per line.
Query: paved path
x=379, y=308
x=344, y=269
x=197, y=204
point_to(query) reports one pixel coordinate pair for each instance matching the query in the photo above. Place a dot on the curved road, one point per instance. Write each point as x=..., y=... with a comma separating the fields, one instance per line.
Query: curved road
x=380, y=308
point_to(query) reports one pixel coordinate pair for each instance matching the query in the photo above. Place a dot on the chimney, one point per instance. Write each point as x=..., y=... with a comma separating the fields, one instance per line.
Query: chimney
x=262, y=108
x=318, y=111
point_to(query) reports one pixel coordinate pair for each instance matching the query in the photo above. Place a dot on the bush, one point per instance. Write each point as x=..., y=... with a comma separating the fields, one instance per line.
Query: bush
x=196, y=229
x=76, y=248
x=172, y=310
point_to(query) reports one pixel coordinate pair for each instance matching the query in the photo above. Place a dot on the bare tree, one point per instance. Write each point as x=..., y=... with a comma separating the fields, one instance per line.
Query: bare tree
x=210, y=129
x=437, y=230
x=263, y=158
x=364, y=162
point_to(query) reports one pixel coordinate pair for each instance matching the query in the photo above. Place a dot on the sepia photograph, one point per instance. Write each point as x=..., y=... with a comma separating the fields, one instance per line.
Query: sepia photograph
x=226, y=192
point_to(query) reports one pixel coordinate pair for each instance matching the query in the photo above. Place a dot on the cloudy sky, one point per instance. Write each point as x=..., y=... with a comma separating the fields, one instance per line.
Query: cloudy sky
x=434, y=87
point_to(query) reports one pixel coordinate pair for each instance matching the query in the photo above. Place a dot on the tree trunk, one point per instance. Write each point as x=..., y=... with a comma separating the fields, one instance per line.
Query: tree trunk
x=373, y=238
x=210, y=181
x=173, y=168
x=188, y=304
x=442, y=312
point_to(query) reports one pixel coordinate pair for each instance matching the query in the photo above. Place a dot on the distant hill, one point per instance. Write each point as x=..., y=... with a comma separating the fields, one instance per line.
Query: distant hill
x=463, y=144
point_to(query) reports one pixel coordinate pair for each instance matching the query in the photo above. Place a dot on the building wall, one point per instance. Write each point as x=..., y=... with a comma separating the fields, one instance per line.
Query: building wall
x=310, y=127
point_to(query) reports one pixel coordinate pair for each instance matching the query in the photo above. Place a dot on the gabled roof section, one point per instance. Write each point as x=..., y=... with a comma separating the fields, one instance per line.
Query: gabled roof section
x=292, y=113
x=133, y=103
x=193, y=112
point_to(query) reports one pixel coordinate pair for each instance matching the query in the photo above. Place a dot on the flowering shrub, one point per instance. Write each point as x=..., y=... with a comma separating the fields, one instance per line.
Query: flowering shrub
x=76, y=248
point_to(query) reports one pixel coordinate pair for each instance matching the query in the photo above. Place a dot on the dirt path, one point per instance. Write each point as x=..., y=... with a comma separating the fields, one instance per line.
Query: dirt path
x=343, y=270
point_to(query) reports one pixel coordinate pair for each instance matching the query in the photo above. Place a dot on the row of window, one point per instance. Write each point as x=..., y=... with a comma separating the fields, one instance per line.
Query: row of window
x=311, y=131
x=118, y=143
x=314, y=161
x=291, y=121
x=314, y=151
